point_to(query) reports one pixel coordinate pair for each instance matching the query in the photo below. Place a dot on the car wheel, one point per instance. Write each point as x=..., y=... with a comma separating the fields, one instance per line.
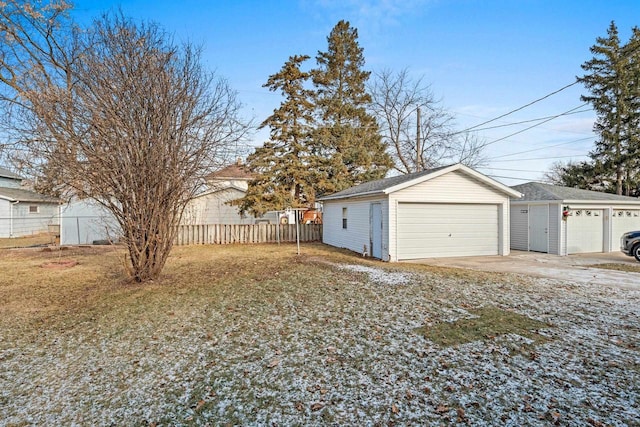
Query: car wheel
x=636, y=252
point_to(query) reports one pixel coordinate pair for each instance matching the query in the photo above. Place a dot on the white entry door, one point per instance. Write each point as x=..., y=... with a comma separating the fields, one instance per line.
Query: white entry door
x=539, y=228
x=426, y=230
x=375, y=219
x=585, y=231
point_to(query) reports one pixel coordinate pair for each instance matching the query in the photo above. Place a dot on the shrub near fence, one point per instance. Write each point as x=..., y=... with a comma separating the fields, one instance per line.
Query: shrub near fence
x=223, y=234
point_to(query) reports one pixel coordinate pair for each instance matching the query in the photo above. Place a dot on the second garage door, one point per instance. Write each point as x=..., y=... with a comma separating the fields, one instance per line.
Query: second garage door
x=427, y=230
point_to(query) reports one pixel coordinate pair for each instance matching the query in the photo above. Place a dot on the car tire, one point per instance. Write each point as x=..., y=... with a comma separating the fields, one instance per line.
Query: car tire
x=636, y=252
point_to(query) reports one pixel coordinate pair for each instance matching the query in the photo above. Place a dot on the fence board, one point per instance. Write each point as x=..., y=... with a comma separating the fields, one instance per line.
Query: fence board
x=224, y=234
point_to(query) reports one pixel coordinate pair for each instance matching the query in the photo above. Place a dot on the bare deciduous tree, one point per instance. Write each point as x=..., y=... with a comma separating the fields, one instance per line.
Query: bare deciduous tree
x=418, y=130
x=129, y=119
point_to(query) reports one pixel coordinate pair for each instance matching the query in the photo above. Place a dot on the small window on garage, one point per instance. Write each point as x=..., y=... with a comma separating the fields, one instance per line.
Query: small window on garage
x=33, y=209
x=344, y=218
x=578, y=213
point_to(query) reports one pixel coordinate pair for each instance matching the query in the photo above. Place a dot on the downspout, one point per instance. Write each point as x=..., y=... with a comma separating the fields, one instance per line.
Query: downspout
x=11, y=217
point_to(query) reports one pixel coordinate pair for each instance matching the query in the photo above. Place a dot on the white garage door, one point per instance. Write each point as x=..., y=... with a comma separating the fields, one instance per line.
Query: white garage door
x=427, y=230
x=624, y=220
x=585, y=231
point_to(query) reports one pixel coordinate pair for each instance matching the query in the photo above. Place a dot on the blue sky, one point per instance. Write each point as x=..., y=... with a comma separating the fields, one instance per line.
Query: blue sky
x=483, y=58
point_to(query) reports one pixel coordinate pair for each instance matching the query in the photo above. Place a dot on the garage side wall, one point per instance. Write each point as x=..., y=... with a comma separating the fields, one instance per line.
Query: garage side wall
x=520, y=227
x=555, y=228
x=454, y=187
x=357, y=234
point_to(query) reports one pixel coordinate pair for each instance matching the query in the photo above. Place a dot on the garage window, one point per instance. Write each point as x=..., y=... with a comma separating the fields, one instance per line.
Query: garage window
x=33, y=209
x=344, y=218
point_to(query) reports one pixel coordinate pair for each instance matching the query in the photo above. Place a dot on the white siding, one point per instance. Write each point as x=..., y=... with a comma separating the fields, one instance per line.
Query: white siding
x=213, y=208
x=10, y=182
x=16, y=220
x=357, y=234
x=454, y=187
x=555, y=228
x=519, y=226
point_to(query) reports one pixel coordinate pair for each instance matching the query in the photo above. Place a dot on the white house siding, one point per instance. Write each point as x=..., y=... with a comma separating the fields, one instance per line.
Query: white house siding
x=212, y=208
x=555, y=228
x=519, y=227
x=453, y=187
x=17, y=221
x=9, y=182
x=357, y=234
x=84, y=221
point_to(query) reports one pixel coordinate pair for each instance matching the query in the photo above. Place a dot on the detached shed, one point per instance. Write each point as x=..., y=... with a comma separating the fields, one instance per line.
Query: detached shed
x=563, y=221
x=24, y=212
x=447, y=211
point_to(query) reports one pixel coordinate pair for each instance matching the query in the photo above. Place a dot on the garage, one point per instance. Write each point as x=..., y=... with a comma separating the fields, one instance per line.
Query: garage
x=624, y=220
x=578, y=221
x=585, y=231
x=443, y=212
x=427, y=230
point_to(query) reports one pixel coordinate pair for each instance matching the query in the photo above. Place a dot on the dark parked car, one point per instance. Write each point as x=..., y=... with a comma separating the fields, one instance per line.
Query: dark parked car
x=630, y=244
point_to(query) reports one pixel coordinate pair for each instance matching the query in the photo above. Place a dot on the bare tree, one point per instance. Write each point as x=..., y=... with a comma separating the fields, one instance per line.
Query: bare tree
x=418, y=130
x=129, y=119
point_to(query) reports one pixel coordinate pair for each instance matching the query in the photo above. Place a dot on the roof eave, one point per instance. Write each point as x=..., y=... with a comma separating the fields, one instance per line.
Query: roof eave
x=350, y=196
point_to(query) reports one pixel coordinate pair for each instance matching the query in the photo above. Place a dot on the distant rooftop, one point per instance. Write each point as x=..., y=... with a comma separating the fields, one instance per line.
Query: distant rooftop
x=536, y=191
x=20, y=195
x=6, y=173
x=235, y=171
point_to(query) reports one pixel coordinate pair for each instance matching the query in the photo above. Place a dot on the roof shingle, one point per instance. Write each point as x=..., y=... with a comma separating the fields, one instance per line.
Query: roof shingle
x=536, y=191
x=20, y=195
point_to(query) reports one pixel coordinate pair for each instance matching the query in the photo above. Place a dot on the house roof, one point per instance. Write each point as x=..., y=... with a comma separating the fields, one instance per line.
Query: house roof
x=20, y=195
x=395, y=183
x=536, y=191
x=235, y=171
x=6, y=173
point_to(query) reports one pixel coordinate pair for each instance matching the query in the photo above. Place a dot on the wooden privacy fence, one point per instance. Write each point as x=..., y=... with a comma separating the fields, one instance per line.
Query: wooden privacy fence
x=223, y=234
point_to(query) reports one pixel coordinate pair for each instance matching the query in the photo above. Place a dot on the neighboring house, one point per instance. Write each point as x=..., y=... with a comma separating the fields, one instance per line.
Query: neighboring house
x=9, y=179
x=24, y=212
x=83, y=222
x=563, y=221
x=211, y=205
x=447, y=211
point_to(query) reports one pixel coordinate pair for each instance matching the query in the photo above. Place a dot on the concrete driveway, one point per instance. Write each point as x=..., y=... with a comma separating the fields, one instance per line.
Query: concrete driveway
x=575, y=268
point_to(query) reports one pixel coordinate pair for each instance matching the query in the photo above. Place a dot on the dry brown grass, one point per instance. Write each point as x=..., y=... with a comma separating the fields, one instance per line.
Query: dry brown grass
x=257, y=335
x=27, y=241
x=632, y=268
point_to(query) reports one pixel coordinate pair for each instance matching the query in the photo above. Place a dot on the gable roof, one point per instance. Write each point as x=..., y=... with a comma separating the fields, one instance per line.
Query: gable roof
x=234, y=171
x=20, y=195
x=536, y=191
x=6, y=173
x=396, y=183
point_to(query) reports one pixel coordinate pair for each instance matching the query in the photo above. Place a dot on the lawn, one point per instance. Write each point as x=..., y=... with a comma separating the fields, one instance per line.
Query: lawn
x=256, y=335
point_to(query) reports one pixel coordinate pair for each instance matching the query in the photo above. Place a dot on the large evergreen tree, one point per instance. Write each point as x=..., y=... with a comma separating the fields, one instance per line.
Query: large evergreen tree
x=347, y=143
x=612, y=81
x=281, y=165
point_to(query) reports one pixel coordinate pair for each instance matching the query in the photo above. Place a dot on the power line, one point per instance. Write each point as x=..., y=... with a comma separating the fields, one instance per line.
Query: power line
x=540, y=158
x=510, y=170
x=533, y=120
x=543, y=148
x=530, y=127
x=520, y=108
x=509, y=177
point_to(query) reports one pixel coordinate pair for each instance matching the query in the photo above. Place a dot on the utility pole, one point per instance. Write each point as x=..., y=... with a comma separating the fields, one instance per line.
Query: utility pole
x=418, y=148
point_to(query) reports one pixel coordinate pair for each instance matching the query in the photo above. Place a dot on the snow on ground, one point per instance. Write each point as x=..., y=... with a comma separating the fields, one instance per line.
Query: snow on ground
x=344, y=351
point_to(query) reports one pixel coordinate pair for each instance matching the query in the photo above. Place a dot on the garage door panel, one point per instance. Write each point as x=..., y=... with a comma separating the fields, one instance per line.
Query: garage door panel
x=624, y=220
x=585, y=231
x=439, y=230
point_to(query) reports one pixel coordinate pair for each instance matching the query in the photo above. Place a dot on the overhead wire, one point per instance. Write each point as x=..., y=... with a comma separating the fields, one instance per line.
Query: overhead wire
x=533, y=120
x=543, y=148
x=530, y=127
x=520, y=108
